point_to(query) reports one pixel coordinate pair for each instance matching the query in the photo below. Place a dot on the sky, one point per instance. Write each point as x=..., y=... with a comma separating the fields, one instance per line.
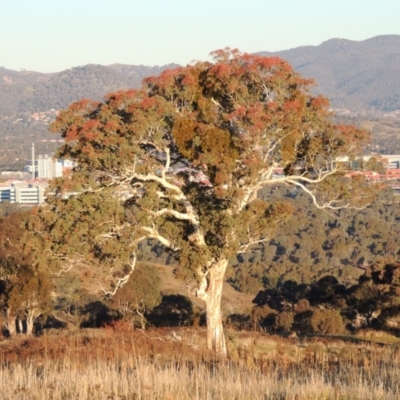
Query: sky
x=51, y=36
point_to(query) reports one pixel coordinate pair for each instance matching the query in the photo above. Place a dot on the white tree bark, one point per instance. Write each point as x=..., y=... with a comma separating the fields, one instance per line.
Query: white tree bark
x=20, y=326
x=212, y=297
x=29, y=324
x=11, y=323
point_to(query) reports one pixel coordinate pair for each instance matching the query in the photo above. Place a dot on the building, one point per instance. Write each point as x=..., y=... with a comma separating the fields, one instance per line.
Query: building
x=389, y=161
x=21, y=192
x=15, y=175
x=49, y=167
x=393, y=161
x=5, y=193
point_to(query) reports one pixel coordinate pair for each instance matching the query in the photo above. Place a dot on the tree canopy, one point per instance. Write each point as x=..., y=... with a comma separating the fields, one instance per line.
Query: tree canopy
x=181, y=161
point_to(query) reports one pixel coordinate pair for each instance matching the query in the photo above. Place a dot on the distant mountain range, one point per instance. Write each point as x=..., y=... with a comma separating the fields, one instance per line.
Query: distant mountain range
x=361, y=76
x=28, y=91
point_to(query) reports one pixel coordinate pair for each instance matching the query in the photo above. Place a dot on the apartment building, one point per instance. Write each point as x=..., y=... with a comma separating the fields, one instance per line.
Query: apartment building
x=49, y=167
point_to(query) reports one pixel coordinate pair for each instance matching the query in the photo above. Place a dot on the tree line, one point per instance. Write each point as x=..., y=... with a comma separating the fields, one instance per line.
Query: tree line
x=330, y=307
x=31, y=301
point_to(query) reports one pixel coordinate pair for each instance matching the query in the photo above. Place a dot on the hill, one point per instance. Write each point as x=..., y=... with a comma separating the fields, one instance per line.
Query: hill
x=363, y=76
x=27, y=91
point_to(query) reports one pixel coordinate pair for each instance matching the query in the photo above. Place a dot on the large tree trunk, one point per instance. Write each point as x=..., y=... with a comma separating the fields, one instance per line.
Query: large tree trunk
x=212, y=298
x=31, y=317
x=29, y=324
x=10, y=322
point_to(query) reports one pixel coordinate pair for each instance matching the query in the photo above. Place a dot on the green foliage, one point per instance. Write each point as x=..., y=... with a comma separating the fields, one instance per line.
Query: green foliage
x=72, y=296
x=311, y=244
x=30, y=293
x=12, y=255
x=140, y=295
x=327, y=322
x=26, y=292
x=327, y=305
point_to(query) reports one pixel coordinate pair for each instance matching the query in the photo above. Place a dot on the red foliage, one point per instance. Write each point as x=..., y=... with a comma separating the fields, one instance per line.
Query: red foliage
x=221, y=71
x=83, y=105
x=320, y=102
x=90, y=125
x=148, y=102
x=165, y=79
x=292, y=106
x=189, y=80
x=111, y=126
x=72, y=133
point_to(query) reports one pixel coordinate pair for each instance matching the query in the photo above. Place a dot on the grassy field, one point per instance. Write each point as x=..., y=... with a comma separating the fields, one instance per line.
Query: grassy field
x=117, y=363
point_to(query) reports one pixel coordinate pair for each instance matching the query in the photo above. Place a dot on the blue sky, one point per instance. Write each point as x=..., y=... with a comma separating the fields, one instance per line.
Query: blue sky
x=50, y=36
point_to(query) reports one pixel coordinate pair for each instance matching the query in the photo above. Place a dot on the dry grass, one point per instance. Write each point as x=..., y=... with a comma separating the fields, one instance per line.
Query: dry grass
x=123, y=364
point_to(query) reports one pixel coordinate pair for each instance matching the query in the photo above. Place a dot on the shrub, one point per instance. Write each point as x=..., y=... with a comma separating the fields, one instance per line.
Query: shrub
x=284, y=321
x=239, y=321
x=327, y=322
x=263, y=317
x=302, y=306
x=174, y=310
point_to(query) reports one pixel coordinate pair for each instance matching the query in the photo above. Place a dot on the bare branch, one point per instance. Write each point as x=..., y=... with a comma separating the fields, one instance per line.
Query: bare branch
x=329, y=205
x=244, y=248
x=154, y=234
x=178, y=215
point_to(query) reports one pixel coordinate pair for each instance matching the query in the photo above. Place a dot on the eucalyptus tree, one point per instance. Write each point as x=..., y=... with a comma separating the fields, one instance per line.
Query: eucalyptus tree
x=181, y=162
x=24, y=292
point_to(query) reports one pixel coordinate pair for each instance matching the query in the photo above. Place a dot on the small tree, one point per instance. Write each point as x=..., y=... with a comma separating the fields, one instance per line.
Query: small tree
x=30, y=297
x=376, y=297
x=24, y=292
x=140, y=295
x=71, y=298
x=174, y=310
x=181, y=162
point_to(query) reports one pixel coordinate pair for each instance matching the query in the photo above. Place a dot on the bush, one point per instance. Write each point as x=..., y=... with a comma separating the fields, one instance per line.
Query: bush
x=263, y=317
x=302, y=306
x=302, y=322
x=327, y=322
x=284, y=321
x=239, y=321
x=174, y=310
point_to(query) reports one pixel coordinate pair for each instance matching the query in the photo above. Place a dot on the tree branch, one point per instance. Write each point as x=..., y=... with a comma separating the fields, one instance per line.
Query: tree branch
x=120, y=281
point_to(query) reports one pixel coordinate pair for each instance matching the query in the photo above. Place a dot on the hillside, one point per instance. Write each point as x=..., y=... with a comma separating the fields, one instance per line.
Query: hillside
x=363, y=76
x=26, y=91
